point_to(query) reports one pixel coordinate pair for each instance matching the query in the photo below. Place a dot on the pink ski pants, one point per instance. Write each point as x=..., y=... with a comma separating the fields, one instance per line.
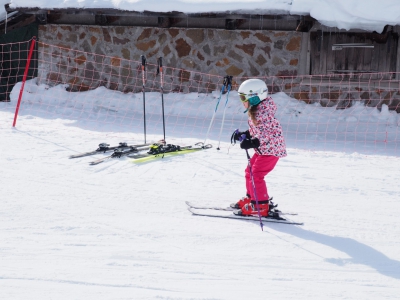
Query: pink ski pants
x=261, y=165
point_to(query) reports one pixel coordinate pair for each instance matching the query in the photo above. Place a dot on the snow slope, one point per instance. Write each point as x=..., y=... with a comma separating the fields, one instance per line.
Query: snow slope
x=120, y=230
x=360, y=128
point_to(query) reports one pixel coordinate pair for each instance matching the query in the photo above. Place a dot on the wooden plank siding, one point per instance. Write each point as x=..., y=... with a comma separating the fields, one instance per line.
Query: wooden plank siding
x=353, y=60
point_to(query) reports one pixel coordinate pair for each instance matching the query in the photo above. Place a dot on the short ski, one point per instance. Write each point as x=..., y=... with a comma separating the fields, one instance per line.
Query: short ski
x=118, y=153
x=230, y=209
x=231, y=215
x=160, y=151
x=104, y=147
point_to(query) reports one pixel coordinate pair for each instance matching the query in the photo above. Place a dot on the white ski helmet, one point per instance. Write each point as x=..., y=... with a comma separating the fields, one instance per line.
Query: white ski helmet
x=252, y=89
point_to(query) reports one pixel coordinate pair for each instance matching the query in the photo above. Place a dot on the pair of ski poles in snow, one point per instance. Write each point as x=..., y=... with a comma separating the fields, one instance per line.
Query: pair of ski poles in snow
x=159, y=71
x=227, y=85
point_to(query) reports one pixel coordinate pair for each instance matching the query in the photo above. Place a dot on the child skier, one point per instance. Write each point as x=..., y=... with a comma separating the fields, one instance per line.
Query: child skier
x=265, y=136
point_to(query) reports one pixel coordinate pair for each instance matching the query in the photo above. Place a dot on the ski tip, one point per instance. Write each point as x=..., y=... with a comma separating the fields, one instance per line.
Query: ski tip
x=190, y=205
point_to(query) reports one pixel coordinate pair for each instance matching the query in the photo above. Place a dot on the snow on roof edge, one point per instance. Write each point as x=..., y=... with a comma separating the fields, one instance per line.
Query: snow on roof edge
x=341, y=14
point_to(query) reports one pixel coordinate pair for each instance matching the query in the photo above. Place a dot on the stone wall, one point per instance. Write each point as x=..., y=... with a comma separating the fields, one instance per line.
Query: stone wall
x=111, y=55
x=342, y=94
x=195, y=60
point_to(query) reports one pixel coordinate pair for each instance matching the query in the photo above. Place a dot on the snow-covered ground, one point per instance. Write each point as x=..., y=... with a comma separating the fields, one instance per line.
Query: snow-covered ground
x=120, y=230
x=361, y=129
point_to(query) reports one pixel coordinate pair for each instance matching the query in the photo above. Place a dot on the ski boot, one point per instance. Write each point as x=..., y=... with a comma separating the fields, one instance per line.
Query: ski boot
x=241, y=202
x=250, y=209
x=267, y=209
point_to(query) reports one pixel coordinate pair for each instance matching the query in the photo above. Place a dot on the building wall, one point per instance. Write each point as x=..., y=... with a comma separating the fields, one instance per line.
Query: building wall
x=196, y=60
x=244, y=53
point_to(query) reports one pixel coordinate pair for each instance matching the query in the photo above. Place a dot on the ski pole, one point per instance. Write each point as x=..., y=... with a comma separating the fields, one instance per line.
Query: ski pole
x=144, y=96
x=215, y=110
x=160, y=70
x=252, y=183
x=229, y=85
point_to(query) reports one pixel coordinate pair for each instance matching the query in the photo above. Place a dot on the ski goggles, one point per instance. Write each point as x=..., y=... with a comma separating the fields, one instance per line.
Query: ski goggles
x=243, y=97
x=251, y=98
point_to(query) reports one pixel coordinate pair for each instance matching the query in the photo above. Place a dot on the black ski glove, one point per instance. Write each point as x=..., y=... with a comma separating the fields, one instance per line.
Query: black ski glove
x=250, y=143
x=239, y=136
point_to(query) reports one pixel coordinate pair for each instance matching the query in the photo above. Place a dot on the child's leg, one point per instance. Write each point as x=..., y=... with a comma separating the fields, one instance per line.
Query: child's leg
x=261, y=165
x=249, y=185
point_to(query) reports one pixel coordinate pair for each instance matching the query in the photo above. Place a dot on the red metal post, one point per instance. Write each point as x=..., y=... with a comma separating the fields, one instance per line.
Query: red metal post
x=28, y=62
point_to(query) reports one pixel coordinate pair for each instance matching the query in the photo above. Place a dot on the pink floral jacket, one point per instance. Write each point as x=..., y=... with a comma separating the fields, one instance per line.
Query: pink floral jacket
x=268, y=129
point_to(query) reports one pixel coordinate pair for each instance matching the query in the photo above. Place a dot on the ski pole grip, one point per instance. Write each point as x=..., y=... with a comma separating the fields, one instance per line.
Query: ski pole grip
x=160, y=62
x=242, y=137
x=227, y=81
x=234, y=136
x=143, y=61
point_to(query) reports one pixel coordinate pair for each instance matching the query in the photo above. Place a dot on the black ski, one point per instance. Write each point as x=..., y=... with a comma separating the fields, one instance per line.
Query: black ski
x=230, y=209
x=120, y=152
x=232, y=215
x=104, y=147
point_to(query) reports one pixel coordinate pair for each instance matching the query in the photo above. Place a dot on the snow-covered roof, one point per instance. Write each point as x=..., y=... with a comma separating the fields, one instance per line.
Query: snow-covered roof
x=370, y=15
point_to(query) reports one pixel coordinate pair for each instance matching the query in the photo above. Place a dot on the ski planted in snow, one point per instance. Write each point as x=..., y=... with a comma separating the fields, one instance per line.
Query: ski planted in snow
x=162, y=150
x=120, y=152
x=233, y=215
x=104, y=147
x=230, y=209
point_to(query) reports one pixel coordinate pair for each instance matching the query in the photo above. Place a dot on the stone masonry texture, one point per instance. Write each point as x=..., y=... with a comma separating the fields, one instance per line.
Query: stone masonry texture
x=195, y=60
x=208, y=51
